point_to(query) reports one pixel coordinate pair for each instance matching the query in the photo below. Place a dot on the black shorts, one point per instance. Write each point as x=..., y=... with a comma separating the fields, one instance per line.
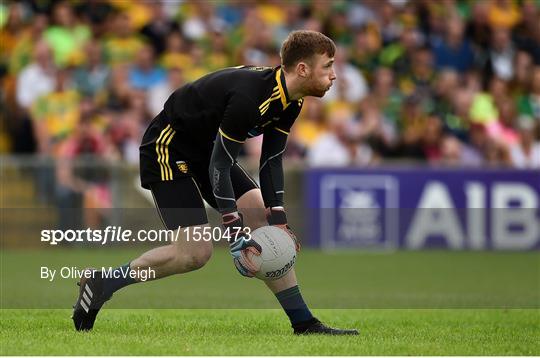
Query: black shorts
x=180, y=184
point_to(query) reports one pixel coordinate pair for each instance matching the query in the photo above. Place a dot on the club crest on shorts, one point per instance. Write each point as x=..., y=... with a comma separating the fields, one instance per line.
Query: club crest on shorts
x=182, y=166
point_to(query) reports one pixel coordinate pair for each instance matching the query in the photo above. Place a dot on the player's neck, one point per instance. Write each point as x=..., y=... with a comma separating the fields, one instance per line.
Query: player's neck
x=294, y=87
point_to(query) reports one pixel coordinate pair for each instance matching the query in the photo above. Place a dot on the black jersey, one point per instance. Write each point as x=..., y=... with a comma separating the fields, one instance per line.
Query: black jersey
x=209, y=119
x=239, y=100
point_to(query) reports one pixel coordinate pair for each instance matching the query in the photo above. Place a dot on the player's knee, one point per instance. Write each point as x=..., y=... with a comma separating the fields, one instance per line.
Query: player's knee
x=198, y=257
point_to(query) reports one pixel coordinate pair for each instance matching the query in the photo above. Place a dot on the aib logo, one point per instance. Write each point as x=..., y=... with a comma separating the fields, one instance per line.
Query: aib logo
x=358, y=210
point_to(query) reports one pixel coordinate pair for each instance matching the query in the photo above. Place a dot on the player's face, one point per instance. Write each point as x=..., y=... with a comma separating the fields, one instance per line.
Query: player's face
x=321, y=76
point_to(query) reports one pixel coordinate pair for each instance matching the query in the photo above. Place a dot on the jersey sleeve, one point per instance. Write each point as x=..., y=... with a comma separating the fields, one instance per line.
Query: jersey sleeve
x=239, y=117
x=289, y=116
x=271, y=164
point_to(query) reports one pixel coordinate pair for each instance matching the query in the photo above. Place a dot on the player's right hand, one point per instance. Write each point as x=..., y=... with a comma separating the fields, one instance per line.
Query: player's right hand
x=240, y=244
x=277, y=217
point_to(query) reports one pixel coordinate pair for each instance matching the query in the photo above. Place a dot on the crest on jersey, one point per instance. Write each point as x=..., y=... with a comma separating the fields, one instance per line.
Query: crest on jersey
x=182, y=166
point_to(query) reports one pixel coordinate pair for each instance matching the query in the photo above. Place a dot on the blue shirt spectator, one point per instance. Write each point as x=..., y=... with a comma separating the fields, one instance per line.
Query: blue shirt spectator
x=459, y=58
x=141, y=79
x=145, y=74
x=453, y=51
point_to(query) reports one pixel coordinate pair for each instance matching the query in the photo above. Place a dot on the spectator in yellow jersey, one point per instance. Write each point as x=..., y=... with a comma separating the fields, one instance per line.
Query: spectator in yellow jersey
x=312, y=122
x=176, y=52
x=122, y=44
x=56, y=114
x=9, y=34
x=216, y=50
x=27, y=41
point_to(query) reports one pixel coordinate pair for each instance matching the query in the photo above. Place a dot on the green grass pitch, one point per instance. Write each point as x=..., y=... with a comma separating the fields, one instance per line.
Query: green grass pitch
x=403, y=303
x=265, y=332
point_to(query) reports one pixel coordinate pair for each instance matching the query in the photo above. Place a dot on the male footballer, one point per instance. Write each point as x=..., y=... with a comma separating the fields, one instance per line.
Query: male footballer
x=188, y=154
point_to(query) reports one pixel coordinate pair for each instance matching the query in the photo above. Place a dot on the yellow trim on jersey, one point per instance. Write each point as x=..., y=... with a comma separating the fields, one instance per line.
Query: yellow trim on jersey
x=268, y=101
x=229, y=138
x=281, y=90
x=275, y=91
x=158, y=149
x=281, y=130
x=167, y=164
x=266, y=104
x=162, y=151
x=265, y=108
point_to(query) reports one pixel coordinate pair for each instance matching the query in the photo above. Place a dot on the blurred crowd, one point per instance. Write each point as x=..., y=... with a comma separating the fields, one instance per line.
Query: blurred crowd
x=444, y=82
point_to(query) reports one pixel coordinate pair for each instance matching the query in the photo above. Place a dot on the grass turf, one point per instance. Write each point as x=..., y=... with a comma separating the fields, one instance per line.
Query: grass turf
x=348, y=279
x=404, y=303
x=266, y=332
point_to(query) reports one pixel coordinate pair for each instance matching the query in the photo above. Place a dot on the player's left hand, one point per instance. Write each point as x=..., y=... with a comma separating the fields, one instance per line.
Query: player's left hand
x=240, y=244
x=278, y=217
x=239, y=249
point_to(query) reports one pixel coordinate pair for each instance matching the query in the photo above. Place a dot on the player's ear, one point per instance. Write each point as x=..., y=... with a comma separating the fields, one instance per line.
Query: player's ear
x=302, y=69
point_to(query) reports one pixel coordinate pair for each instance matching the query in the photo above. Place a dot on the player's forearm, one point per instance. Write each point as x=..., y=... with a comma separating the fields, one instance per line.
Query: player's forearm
x=272, y=182
x=223, y=158
x=271, y=166
x=222, y=189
